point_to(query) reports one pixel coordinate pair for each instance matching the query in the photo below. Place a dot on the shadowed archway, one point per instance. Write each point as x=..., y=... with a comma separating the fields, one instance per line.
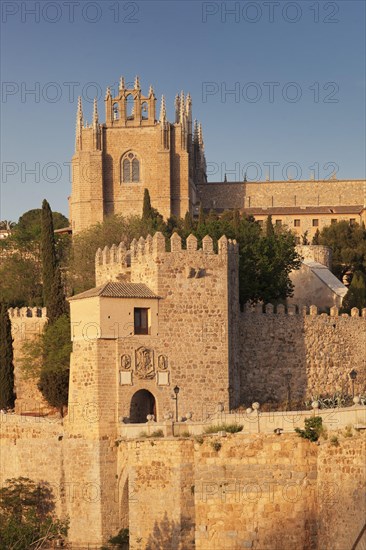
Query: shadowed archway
x=142, y=403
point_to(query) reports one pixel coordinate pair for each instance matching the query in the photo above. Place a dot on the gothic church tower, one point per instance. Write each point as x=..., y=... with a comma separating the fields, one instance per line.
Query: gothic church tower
x=114, y=162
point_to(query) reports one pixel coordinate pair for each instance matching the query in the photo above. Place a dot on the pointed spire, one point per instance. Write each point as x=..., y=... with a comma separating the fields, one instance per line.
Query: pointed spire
x=181, y=111
x=95, y=113
x=108, y=93
x=79, y=125
x=200, y=135
x=195, y=131
x=137, y=83
x=79, y=114
x=188, y=103
x=177, y=107
x=151, y=91
x=121, y=84
x=162, y=117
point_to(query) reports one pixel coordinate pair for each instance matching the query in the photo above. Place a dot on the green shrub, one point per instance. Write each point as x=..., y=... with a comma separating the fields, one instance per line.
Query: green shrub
x=230, y=428
x=122, y=537
x=313, y=428
x=348, y=431
x=198, y=439
x=216, y=445
x=157, y=433
x=334, y=441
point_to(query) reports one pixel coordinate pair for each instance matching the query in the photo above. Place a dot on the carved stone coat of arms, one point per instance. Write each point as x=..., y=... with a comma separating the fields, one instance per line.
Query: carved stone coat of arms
x=144, y=363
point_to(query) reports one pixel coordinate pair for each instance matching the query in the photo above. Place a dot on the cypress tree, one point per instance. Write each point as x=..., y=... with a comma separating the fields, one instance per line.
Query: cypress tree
x=7, y=397
x=269, y=227
x=188, y=223
x=201, y=216
x=316, y=238
x=356, y=295
x=57, y=304
x=48, y=252
x=236, y=222
x=147, y=209
x=53, y=292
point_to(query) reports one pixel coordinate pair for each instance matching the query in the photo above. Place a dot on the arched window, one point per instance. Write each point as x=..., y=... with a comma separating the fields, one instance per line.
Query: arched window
x=130, y=106
x=115, y=111
x=130, y=168
x=144, y=111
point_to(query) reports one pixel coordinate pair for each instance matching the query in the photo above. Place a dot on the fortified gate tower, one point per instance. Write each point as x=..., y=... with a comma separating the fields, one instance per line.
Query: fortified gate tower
x=132, y=151
x=156, y=320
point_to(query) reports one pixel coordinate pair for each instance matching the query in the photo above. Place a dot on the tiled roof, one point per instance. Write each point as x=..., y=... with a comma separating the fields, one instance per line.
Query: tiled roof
x=117, y=290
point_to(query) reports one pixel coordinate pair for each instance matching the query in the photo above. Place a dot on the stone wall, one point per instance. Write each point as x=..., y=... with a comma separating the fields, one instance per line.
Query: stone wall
x=316, y=253
x=80, y=471
x=259, y=491
x=266, y=194
x=223, y=196
x=26, y=325
x=304, y=193
x=318, y=351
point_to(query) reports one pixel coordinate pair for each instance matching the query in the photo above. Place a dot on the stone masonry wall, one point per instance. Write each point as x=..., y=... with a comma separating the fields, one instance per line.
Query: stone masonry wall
x=318, y=351
x=304, y=193
x=26, y=325
x=264, y=194
x=259, y=491
x=262, y=492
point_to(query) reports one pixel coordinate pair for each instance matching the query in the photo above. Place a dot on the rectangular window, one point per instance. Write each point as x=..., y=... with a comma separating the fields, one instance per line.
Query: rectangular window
x=333, y=221
x=141, y=320
x=352, y=221
x=315, y=223
x=279, y=222
x=297, y=223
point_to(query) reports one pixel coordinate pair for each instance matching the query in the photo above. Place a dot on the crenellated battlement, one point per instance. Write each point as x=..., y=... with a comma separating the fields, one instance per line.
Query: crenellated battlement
x=291, y=309
x=117, y=262
x=27, y=312
x=156, y=246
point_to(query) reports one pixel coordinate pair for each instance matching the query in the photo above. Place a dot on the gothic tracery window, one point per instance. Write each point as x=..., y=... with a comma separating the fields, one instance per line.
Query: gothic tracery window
x=130, y=168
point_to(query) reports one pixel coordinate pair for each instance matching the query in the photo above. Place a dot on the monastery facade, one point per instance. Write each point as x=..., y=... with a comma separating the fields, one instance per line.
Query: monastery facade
x=135, y=149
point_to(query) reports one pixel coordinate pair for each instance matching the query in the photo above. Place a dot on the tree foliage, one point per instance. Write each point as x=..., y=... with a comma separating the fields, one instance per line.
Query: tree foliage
x=356, y=295
x=29, y=226
x=348, y=243
x=21, y=269
x=53, y=291
x=264, y=264
x=7, y=396
x=48, y=252
x=47, y=358
x=20, y=280
x=27, y=518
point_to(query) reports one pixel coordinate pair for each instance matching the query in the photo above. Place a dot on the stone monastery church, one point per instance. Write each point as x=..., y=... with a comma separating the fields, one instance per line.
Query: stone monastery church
x=136, y=149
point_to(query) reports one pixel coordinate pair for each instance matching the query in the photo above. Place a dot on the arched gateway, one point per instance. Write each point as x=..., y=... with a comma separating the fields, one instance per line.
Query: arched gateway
x=142, y=403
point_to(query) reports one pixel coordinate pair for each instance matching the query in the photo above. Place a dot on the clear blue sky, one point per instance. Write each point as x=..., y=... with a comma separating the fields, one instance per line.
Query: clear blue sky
x=311, y=116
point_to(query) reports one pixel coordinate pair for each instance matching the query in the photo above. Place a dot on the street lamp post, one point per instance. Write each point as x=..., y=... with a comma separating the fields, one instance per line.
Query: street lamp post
x=176, y=391
x=353, y=376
